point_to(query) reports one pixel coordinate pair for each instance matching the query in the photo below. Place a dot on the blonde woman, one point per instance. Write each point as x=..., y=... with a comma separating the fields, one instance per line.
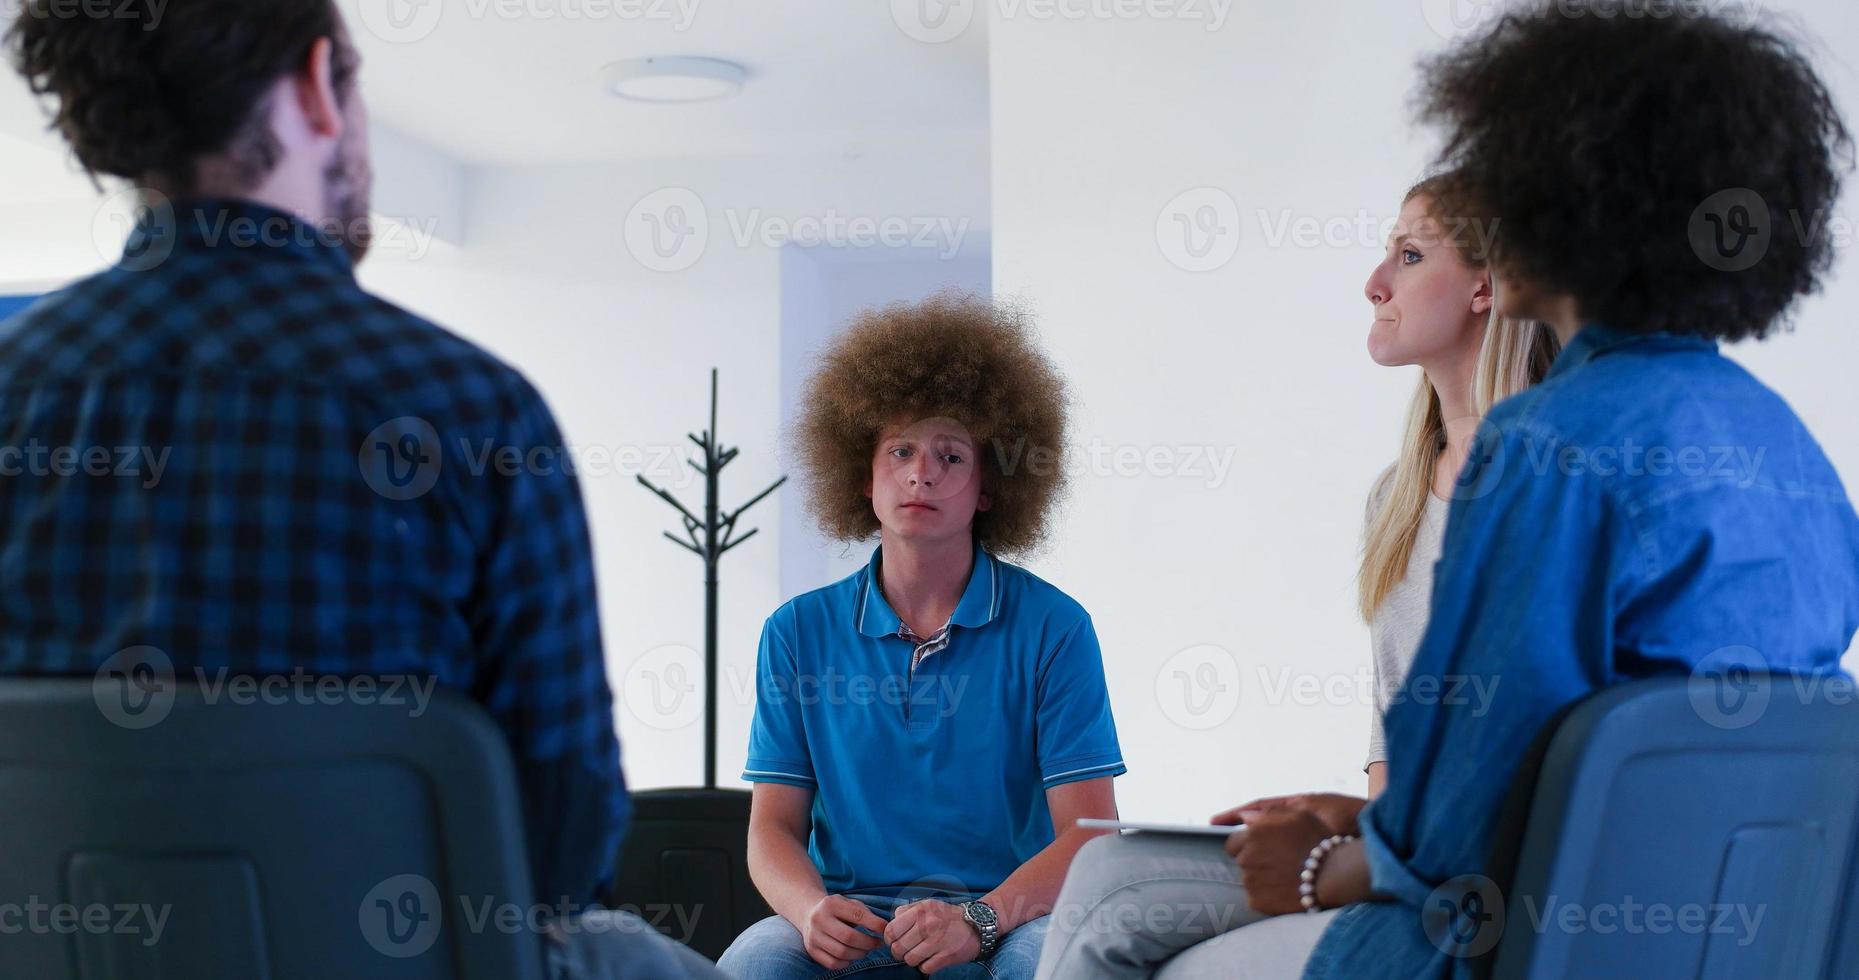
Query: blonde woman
x=1433, y=307
x=1131, y=904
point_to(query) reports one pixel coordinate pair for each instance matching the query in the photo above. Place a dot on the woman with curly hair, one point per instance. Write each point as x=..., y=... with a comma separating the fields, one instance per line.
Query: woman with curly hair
x=1650, y=508
x=1600, y=533
x=929, y=730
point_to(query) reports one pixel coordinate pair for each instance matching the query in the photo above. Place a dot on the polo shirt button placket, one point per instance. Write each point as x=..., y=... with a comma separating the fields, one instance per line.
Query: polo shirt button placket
x=910, y=684
x=920, y=652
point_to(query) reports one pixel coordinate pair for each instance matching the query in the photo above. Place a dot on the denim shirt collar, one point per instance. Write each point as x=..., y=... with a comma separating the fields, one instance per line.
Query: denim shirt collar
x=979, y=604
x=209, y=224
x=1597, y=339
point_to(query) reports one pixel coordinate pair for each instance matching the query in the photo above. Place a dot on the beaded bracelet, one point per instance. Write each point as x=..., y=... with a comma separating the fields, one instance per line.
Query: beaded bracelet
x=1307, y=880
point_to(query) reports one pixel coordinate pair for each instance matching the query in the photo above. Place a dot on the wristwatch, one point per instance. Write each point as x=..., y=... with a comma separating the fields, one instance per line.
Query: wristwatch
x=981, y=916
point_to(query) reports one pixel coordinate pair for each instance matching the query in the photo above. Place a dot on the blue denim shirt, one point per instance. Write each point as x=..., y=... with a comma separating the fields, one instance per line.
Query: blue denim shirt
x=1648, y=508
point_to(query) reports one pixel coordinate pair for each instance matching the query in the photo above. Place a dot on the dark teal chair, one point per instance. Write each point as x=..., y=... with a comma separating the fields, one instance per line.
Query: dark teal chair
x=265, y=841
x=1736, y=796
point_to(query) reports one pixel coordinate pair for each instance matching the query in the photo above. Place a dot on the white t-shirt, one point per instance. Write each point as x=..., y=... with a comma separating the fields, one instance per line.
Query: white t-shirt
x=1394, y=633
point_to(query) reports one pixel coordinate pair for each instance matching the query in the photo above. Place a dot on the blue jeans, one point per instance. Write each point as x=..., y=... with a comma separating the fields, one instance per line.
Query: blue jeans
x=772, y=950
x=605, y=944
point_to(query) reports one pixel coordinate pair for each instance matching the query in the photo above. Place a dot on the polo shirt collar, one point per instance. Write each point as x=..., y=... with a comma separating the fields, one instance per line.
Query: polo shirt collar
x=979, y=604
x=1595, y=339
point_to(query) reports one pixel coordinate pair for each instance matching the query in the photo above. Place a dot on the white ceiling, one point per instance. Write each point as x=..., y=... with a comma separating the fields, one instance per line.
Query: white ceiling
x=491, y=88
x=516, y=82
x=465, y=84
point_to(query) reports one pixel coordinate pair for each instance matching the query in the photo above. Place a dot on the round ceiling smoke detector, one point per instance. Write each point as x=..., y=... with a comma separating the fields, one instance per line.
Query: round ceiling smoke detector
x=677, y=79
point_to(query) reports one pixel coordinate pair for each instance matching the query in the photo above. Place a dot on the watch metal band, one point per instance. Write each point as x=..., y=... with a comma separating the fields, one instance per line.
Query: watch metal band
x=985, y=923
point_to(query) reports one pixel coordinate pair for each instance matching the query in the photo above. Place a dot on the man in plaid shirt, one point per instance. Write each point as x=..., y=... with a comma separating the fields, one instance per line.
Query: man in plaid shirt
x=224, y=450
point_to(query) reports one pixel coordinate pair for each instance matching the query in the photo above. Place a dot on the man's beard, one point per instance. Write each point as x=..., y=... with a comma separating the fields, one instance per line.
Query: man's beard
x=346, y=186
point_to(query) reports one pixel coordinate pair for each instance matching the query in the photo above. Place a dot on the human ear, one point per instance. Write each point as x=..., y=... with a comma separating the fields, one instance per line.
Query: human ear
x=1482, y=294
x=315, y=89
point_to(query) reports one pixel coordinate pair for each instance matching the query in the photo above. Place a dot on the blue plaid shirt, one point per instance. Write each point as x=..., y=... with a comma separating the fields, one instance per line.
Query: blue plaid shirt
x=224, y=449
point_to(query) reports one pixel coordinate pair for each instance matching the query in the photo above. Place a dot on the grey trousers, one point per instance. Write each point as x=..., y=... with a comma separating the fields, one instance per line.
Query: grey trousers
x=1170, y=907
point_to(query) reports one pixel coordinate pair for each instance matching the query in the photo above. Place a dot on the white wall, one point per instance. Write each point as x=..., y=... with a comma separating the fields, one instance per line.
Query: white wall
x=48, y=216
x=558, y=275
x=1212, y=594
x=554, y=269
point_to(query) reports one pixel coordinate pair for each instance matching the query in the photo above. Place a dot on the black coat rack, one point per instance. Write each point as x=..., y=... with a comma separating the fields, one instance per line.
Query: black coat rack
x=710, y=539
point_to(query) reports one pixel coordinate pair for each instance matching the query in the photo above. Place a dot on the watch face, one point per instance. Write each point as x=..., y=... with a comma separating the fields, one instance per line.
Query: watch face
x=982, y=915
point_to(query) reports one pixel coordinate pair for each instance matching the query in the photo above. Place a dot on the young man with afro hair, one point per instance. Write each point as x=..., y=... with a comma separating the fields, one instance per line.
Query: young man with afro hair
x=929, y=730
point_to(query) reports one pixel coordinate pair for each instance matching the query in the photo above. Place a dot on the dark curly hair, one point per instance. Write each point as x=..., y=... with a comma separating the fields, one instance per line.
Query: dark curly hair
x=1611, y=140
x=145, y=92
x=953, y=356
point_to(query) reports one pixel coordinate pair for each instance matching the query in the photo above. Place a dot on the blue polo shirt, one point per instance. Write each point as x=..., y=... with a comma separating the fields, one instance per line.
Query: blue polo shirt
x=933, y=777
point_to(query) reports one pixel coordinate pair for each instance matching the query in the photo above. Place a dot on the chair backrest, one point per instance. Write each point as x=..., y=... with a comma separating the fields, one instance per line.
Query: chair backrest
x=263, y=837
x=1692, y=827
